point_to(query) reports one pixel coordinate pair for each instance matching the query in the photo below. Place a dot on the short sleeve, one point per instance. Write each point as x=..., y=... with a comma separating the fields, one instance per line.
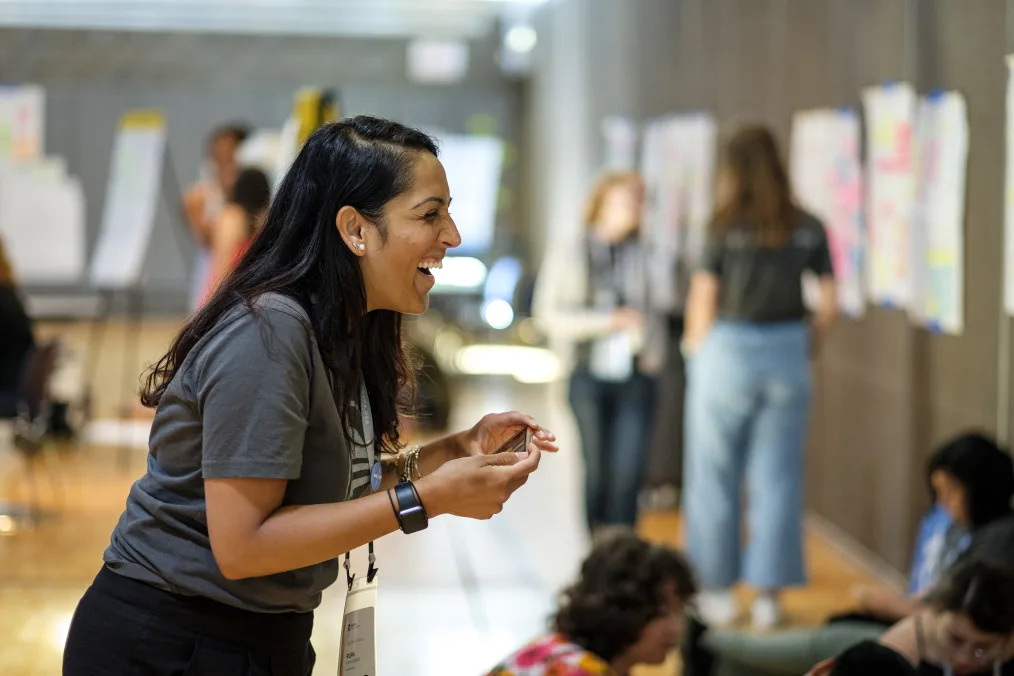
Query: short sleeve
x=820, y=256
x=713, y=253
x=253, y=394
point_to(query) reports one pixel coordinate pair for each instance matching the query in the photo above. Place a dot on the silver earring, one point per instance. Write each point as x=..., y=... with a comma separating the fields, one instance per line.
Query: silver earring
x=361, y=247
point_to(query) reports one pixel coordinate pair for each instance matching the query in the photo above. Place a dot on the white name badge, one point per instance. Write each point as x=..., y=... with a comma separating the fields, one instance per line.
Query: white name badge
x=358, y=655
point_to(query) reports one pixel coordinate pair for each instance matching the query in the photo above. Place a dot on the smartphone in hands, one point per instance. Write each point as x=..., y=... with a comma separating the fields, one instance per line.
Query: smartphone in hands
x=518, y=443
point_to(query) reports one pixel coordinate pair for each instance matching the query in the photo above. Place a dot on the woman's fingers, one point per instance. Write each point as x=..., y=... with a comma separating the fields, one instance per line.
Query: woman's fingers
x=527, y=464
x=546, y=446
x=545, y=435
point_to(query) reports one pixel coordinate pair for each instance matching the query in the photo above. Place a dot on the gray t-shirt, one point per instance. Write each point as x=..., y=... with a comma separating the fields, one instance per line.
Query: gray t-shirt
x=764, y=284
x=251, y=400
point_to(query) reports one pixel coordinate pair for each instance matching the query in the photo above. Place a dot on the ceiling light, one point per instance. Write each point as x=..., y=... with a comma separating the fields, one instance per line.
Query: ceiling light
x=521, y=38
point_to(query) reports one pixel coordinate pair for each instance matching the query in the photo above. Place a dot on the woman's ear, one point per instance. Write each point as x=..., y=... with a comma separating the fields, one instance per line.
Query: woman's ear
x=350, y=224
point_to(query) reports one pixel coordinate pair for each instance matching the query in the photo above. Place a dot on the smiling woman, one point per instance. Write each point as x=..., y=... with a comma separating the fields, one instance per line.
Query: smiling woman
x=272, y=404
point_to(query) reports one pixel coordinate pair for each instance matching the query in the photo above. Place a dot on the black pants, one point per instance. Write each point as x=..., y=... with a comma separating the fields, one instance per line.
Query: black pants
x=665, y=455
x=615, y=423
x=123, y=627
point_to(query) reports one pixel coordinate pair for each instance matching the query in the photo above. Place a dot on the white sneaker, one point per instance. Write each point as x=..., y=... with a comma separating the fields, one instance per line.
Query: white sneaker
x=767, y=613
x=717, y=608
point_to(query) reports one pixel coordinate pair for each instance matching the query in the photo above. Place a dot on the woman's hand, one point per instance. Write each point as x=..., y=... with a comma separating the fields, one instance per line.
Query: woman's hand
x=477, y=487
x=627, y=319
x=487, y=435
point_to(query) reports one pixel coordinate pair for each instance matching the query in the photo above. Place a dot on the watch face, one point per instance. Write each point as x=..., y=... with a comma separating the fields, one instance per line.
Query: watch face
x=411, y=513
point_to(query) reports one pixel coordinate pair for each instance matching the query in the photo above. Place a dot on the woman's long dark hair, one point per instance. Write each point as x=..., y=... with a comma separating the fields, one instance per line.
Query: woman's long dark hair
x=761, y=197
x=252, y=194
x=362, y=162
x=984, y=470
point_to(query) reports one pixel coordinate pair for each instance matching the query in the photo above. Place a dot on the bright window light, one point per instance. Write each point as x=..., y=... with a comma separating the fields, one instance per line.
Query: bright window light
x=460, y=274
x=524, y=364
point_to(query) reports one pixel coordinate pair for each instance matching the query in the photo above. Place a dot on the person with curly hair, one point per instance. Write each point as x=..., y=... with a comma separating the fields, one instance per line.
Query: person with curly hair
x=626, y=609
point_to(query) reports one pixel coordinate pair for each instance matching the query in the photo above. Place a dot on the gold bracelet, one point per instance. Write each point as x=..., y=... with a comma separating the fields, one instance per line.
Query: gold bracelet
x=410, y=470
x=413, y=455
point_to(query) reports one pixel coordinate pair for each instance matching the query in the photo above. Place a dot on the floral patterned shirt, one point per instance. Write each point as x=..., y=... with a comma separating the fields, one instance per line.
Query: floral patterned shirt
x=552, y=655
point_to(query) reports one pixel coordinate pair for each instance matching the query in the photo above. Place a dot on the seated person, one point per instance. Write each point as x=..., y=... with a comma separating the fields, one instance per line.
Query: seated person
x=16, y=339
x=863, y=659
x=626, y=609
x=972, y=482
x=966, y=627
x=970, y=478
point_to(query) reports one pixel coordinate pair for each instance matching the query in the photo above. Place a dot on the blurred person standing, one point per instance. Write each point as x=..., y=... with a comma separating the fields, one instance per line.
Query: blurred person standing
x=204, y=201
x=748, y=341
x=239, y=222
x=16, y=338
x=592, y=296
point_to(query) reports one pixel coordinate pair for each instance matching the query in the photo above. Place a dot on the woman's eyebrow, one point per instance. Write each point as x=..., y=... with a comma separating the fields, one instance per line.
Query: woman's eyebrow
x=438, y=200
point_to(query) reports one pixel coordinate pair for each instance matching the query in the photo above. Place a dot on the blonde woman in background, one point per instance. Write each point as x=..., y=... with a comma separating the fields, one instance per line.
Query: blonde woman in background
x=591, y=299
x=748, y=340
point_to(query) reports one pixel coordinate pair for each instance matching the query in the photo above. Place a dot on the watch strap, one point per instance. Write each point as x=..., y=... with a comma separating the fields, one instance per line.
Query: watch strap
x=411, y=513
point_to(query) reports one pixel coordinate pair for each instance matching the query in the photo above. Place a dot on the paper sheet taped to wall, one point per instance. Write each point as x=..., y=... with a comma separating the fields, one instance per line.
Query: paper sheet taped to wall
x=938, y=232
x=678, y=166
x=827, y=178
x=22, y=122
x=1008, y=266
x=891, y=172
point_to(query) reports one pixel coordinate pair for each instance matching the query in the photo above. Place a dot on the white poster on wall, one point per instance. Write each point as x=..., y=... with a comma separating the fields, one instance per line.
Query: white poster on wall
x=826, y=172
x=132, y=195
x=22, y=122
x=938, y=236
x=890, y=120
x=678, y=166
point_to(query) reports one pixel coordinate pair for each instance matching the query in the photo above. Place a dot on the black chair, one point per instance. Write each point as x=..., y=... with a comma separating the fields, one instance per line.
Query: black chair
x=30, y=426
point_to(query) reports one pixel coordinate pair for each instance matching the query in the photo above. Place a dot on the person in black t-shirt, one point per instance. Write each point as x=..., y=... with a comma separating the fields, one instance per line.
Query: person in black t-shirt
x=748, y=340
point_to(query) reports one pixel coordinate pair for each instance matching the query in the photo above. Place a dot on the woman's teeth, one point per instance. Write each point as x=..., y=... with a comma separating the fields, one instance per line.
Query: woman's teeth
x=426, y=267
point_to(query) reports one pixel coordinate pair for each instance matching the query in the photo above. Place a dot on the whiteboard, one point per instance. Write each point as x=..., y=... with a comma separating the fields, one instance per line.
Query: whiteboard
x=42, y=222
x=132, y=195
x=473, y=165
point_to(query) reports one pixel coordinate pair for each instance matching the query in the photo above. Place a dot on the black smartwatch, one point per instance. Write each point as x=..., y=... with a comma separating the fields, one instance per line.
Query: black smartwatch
x=410, y=511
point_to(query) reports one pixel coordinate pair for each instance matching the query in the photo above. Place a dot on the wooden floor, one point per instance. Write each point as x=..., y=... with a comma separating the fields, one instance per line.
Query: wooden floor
x=488, y=586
